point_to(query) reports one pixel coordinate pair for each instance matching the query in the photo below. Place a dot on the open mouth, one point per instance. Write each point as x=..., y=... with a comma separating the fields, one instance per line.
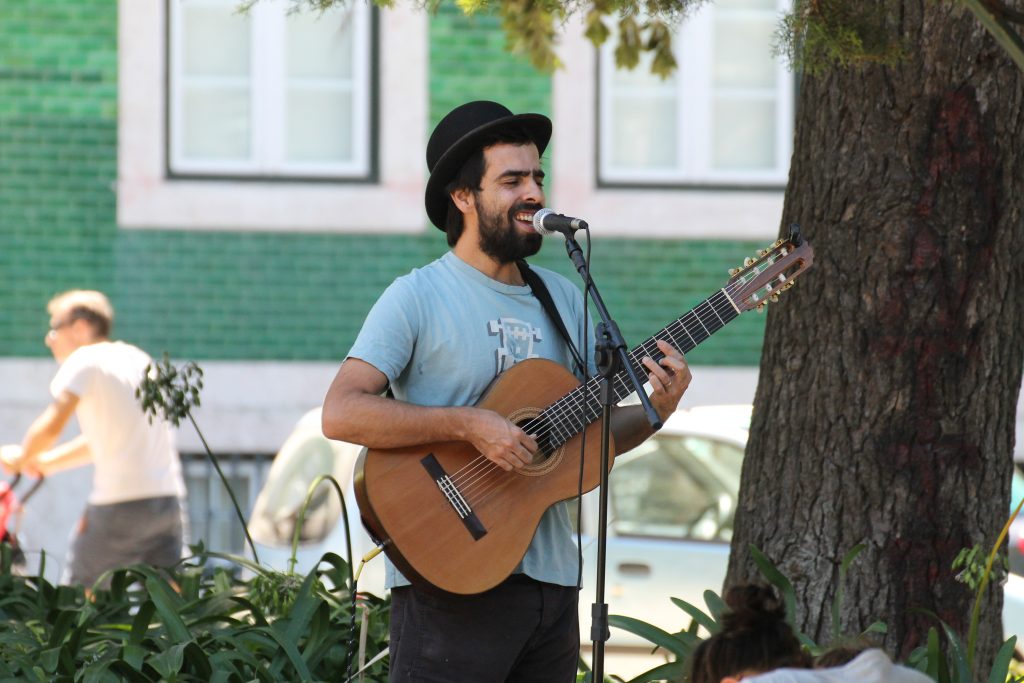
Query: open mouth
x=525, y=216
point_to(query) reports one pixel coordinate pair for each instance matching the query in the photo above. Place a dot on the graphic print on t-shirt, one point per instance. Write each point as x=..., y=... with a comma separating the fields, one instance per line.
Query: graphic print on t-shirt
x=516, y=339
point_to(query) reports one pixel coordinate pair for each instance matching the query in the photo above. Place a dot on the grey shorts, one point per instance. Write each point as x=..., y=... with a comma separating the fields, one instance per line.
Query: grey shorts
x=149, y=530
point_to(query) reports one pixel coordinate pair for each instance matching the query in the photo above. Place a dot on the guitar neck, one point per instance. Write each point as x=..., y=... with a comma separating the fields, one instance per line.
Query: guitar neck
x=570, y=414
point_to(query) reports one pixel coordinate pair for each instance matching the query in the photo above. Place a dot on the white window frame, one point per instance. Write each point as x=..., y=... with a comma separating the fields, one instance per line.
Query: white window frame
x=693, y=45
x=148, y=197
x=268, y=79
x=690, y=211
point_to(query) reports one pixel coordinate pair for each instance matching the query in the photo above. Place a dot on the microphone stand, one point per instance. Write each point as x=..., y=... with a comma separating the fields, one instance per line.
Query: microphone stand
x=611, y=354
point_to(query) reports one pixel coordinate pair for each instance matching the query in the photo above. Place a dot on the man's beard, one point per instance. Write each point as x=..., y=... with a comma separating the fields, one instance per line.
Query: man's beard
x=501, y=240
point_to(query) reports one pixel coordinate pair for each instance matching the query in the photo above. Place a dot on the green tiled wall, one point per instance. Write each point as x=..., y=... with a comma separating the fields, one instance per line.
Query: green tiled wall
x=58, y=146
x=468, y=61
x=237, y=295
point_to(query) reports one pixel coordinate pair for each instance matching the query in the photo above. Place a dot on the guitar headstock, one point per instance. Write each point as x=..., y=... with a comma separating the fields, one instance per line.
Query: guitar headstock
x=775, y=269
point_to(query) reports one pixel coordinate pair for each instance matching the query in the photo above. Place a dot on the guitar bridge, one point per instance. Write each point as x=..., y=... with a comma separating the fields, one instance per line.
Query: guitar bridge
x=454, y=497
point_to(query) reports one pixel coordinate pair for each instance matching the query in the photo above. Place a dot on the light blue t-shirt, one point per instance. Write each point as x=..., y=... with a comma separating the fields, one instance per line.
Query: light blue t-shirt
x=443, y=332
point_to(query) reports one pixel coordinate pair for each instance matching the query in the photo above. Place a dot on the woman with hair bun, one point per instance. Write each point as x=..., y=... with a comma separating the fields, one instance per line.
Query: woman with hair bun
x=755, y=638
x=757, y=645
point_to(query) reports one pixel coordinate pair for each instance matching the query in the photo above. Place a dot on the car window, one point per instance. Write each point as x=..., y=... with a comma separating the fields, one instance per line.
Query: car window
x=681, y=487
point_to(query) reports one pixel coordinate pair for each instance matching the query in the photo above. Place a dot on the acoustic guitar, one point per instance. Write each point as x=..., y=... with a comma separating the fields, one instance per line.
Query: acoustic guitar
x=452, y=520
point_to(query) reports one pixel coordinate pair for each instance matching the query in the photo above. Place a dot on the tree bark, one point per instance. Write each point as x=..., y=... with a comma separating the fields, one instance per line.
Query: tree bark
x=890, y=373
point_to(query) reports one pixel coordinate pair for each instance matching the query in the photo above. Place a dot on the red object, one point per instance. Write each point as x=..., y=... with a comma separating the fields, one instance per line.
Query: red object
x=8, y=504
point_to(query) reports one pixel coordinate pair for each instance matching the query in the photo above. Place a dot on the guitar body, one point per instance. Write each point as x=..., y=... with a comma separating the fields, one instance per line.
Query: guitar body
x=404, y=507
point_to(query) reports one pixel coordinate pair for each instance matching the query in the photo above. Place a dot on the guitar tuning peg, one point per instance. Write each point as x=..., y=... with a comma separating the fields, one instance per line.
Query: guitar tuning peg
x=760, y=308
x=733, y=271
x=774, y=298
x=749, y=261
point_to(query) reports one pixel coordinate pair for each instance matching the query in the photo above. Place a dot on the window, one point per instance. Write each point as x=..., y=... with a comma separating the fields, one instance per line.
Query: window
x=269, y=92
x=725, y=117
x=245, y=167
x=212, y=517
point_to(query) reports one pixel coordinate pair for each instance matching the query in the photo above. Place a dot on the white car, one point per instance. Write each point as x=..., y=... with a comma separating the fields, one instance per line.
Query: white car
x=671, y=506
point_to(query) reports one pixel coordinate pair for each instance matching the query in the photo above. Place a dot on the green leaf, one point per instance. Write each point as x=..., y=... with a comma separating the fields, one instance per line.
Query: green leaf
x=837, y=601
x=288, y=648
x=941, y=664
x=127, y=673
x=1001, y=664
x=670, y=671
x=649, y=632
x=61, y=626
x=140, y=624
x=879, y=627
x=699, y=616
x=779, y=580
x=959, y=654
x=98, y=673
x=199, y=662
x=596, y=31
x=50, y=658
x=133, y=654
x=168, y=663
x=716, y=605
x=302, y=611
x=167, y=604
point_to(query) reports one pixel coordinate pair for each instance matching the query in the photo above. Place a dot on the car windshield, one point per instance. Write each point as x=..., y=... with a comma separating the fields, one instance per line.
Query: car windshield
x=306, y=455
x=677, y=486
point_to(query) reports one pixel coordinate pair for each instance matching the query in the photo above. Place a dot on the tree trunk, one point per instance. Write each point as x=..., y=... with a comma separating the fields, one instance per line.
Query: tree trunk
x=890, y=373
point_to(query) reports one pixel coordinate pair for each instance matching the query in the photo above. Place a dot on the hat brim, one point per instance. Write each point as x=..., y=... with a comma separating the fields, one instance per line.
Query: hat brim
x=537, y=126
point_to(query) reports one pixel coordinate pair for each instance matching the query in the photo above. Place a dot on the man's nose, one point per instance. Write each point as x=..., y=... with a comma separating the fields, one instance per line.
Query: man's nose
x=533, y=192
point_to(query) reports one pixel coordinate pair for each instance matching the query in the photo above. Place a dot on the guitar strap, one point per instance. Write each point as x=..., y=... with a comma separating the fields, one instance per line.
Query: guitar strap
x=540, y=290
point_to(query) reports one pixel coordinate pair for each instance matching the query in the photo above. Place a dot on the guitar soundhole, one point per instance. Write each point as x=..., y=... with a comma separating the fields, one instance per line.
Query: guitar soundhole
x=548, y=455
x=542, y=430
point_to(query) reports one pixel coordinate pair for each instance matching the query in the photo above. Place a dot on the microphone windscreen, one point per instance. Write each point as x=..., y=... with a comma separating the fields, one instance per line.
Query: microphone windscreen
x=538, y=221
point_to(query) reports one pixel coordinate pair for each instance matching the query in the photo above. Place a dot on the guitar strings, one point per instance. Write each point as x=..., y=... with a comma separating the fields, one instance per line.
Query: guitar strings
x=477, y=471
x=475, y=481
x=471, y=474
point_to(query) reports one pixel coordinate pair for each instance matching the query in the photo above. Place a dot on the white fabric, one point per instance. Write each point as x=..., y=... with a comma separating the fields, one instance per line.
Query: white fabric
x=133, y=459
x=870, y=666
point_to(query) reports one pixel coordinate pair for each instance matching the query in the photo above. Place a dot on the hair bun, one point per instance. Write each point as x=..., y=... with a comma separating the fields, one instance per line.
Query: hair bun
x=752, y=606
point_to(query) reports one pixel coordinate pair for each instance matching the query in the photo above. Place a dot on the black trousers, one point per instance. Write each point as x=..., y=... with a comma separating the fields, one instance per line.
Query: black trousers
x=521, y=631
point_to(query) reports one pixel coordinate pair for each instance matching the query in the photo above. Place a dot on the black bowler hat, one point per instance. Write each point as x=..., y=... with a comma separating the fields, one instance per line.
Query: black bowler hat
x=457, y=137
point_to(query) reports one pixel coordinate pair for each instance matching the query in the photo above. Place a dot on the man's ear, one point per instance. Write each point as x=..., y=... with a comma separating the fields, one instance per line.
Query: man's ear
x=464, y=200
x=83, y=331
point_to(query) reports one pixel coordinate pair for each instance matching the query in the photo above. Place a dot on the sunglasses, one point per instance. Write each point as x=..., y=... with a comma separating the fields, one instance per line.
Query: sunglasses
x=59, y=326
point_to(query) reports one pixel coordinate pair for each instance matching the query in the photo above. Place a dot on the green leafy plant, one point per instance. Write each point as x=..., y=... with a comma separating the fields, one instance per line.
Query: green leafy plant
x=189, y=624
x=977, y=569
x=166, y=391
x=978, y=578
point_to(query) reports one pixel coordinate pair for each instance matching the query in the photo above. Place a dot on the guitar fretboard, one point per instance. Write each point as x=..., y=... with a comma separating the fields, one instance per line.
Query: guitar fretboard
x=570, y=414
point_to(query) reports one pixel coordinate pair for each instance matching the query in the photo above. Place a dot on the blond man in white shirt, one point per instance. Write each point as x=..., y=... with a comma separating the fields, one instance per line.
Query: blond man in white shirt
x=134, y=512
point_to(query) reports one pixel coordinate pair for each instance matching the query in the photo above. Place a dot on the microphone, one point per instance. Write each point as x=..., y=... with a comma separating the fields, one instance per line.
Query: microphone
x=547, y=222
